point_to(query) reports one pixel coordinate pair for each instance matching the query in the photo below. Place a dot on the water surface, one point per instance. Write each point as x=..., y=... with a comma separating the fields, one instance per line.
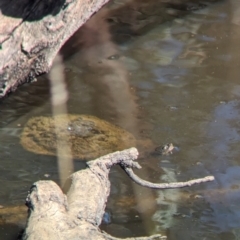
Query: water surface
x=169, y=75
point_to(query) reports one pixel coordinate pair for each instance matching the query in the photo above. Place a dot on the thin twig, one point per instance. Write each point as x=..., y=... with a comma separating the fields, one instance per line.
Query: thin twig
x=152, y=237
x=144, y=183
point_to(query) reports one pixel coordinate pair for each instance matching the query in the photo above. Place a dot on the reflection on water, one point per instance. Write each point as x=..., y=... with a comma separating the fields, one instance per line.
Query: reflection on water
x=166, y=74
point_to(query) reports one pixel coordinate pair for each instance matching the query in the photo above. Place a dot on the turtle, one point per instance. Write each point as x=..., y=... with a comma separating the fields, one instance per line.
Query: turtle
x=88, y=136
x=165, y=149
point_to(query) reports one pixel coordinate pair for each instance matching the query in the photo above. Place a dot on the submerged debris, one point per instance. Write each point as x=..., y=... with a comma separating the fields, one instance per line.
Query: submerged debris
x=89, y=137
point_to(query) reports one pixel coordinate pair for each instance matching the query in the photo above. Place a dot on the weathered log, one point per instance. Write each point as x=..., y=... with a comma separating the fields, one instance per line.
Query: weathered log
x=31, y=34
x=78, y=214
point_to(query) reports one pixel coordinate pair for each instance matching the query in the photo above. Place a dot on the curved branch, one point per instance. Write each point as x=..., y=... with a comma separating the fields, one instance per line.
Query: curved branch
x=144, y=183
x=153, y=237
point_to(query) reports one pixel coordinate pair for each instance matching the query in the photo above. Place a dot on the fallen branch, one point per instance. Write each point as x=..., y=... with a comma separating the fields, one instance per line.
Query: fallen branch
x=78, y=214
x=153, y=237
x=144, y=183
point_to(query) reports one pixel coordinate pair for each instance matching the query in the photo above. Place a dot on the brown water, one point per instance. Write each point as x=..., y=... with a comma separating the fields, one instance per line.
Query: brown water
x=166, y=75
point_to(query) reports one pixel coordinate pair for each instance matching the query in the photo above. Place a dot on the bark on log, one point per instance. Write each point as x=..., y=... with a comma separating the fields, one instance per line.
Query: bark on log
x=54, y=215
x=31, y=34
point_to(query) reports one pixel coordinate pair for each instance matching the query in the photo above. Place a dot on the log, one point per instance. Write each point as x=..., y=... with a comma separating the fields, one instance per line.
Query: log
x=78, y=214
x=31, y=34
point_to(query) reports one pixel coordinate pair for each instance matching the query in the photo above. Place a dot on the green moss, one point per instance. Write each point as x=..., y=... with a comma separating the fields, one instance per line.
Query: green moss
x=88, y=137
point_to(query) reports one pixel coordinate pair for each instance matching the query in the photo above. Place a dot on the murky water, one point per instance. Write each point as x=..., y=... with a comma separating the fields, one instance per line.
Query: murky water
x=166, y=76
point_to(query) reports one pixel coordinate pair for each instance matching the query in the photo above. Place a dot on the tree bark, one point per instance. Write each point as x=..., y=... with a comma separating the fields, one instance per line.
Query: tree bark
x=31, y=34
x=78, y=214
x=54, y=215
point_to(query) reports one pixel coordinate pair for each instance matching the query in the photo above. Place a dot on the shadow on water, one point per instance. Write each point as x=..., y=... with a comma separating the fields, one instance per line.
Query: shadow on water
x=167, y=73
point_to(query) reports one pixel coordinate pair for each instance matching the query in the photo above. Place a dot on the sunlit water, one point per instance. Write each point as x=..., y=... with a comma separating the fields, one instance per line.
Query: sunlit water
x=181, y=78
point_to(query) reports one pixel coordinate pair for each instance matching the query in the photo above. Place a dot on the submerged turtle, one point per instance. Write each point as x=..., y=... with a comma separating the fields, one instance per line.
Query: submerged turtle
x=165, y=149
x=89, y=137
